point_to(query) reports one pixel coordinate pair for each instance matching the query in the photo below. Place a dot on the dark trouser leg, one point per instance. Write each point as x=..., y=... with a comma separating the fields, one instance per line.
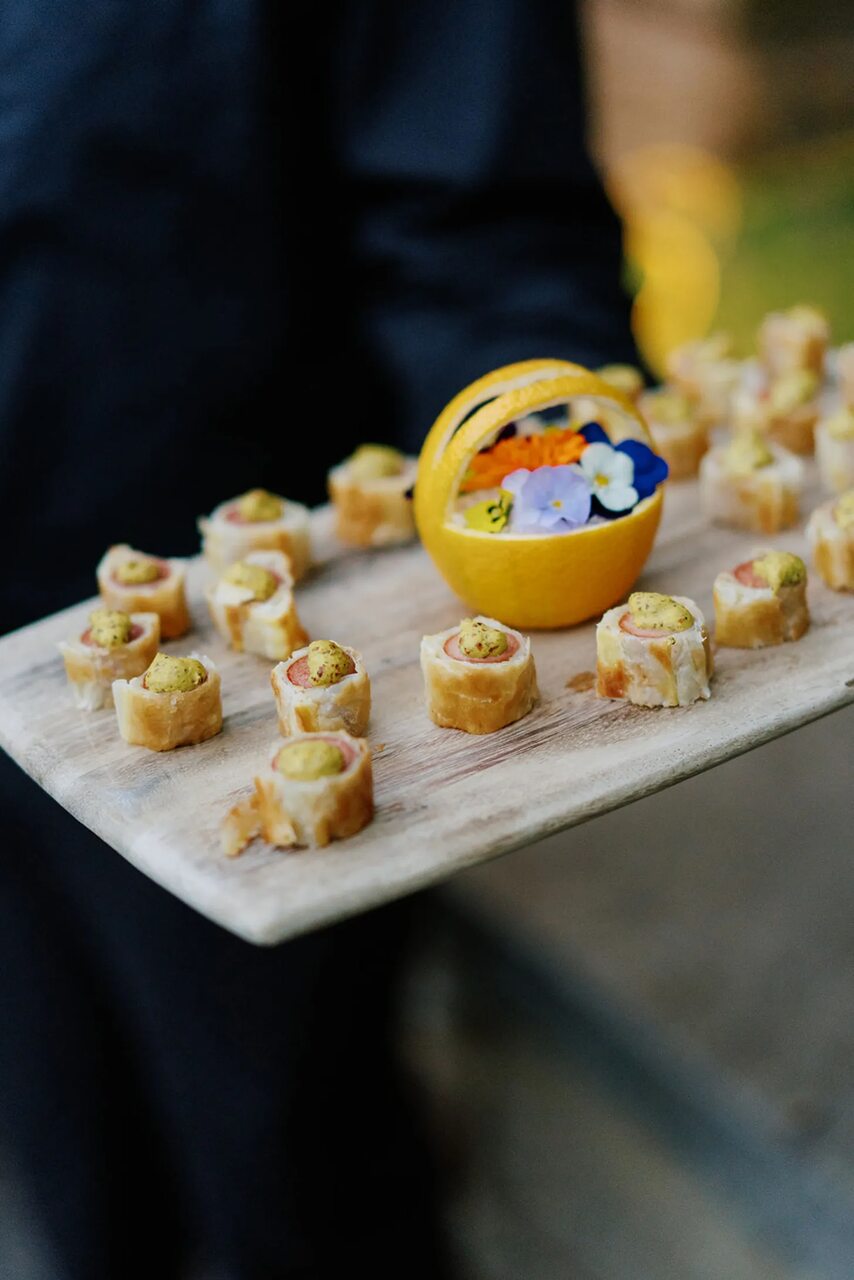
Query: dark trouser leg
x=269, y=1075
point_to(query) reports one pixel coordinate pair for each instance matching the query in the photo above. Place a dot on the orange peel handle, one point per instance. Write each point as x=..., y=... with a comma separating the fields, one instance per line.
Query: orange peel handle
x=493, y=403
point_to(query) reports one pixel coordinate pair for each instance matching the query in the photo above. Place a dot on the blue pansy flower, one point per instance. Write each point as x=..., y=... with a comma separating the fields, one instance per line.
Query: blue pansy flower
x=650, y=468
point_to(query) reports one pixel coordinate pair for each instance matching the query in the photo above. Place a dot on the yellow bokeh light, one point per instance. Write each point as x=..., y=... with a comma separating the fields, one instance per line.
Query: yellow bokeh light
x=681, y=208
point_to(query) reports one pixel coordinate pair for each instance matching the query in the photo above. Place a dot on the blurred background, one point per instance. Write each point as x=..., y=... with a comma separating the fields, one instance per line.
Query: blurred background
x=726, y=131
x=637, y=1050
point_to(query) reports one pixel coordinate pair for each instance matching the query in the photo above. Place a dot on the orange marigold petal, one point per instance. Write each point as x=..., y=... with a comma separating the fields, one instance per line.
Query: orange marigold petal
x=554, y=449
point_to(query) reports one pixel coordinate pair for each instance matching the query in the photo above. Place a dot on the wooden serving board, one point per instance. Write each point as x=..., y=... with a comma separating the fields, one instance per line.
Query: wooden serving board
x=445, y=800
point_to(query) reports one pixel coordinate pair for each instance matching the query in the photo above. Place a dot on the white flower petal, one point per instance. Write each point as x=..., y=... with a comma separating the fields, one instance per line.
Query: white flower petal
x=623, y=468
x=597, y=459
x=617, y=497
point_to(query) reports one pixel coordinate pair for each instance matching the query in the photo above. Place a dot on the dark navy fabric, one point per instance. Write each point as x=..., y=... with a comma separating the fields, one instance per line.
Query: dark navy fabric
x=236, y=238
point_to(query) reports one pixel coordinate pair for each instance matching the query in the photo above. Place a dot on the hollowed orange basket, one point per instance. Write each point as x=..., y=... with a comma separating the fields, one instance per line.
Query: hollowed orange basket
x=529, y=580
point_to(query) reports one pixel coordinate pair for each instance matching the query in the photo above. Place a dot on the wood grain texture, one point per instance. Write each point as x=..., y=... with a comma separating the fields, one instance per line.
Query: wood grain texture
x=445, y=800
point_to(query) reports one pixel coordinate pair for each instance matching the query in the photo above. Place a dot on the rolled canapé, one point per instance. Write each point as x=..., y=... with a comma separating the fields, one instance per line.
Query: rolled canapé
x=653, y=651
x=318, y=787
x=679, y=431
x=176, y=702
x=845, y=373
x=751, y=484
x=784, y=411
x=794, y=340
x=114, y=646
x=705, y=372
x=257, y=521
x=478, y=676
x=252, y=606
x=322, y=688
x=830, y=533
x=762, y=602
x=133, y=582
x=370, y=492
x=834, y=448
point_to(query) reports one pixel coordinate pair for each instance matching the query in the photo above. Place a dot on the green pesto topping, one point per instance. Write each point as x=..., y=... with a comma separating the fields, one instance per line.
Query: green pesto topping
x=109, y=628
x=174, y=675
x=843, y=512
x=490, y=516
x=780, y=569
x=623, y=377
x=841, y=425
x=747, y=452
x=253, y=577
x=307, y=761
x=258, y=505
x=375, y=462
x=792, y=390
x=136, y=570
x=328, y=662
x=668, y=407
x=477, y=640
x=654, y=612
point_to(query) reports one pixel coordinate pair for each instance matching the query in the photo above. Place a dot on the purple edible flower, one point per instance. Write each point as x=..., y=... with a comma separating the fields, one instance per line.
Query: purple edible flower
x=548, y=500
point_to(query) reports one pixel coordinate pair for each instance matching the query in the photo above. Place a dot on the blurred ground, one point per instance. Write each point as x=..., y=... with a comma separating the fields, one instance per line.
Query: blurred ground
x=646, y=1055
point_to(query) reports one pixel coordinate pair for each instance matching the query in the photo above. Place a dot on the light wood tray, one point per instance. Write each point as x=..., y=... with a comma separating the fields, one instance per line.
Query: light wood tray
x=445, y=800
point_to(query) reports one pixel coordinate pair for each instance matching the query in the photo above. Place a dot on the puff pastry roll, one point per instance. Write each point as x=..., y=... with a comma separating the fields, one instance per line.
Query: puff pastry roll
x=830, y=533
x=793, y=340
x=751, y=484
x=680, y=433
x=653, y=651
x=478, y=676
x=785, y=410
x=257, y=521
x=705, y=372
x=834, y=450
x=252, y=606
x=321, y=688
x=114, y=646
x=132, y=582
x=175, y=703
x=762, y=602
x=318, y=787
x=369, y=492
x=845, y=373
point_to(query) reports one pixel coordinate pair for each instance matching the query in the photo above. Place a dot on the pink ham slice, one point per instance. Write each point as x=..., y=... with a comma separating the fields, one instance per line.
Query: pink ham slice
x=453, y=650
x=644, y=633
x=748, y=577
x=298, y=673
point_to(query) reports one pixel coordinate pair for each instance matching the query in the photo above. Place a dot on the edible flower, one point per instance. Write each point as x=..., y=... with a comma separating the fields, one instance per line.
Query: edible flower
x=609, y=474
x=551, y=448
x=650, y=469
x=490, y=516
x=548, y=500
